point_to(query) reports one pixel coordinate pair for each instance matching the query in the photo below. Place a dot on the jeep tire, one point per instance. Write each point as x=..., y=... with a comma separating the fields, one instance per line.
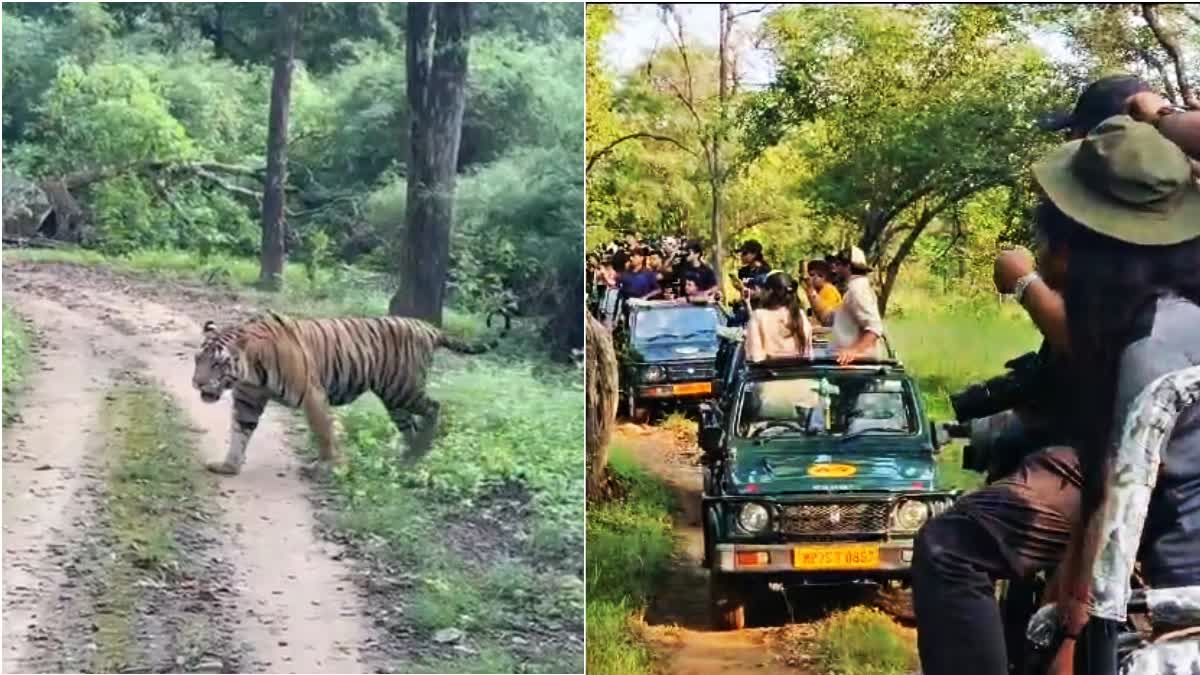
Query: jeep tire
x=727, y=598
x=638, y=414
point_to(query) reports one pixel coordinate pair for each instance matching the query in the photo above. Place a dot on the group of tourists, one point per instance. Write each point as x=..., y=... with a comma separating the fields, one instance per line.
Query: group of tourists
x=778, y=316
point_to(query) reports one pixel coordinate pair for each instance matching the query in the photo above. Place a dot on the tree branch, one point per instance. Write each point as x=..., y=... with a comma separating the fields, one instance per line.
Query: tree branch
x=1157, y=64
x=629, y=137
x=1171, y=45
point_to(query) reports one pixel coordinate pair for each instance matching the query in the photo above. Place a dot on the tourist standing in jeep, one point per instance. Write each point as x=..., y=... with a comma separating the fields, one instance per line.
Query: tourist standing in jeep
x=856, y=322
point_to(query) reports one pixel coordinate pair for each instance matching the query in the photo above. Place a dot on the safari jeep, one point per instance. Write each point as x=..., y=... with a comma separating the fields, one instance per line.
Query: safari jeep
x=668, y=351
x=816, y=474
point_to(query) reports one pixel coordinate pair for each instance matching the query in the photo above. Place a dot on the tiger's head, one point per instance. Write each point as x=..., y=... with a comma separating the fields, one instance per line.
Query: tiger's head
x=216, y=363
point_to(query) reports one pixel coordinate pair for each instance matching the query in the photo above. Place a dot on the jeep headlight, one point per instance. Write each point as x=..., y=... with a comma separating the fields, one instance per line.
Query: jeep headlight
x=753, y=518
x=911, y=515
x=654, y=374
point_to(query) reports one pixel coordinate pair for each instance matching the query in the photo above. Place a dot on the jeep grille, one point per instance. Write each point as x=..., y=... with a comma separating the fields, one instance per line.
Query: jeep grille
x=700, y=370
x=811, y=520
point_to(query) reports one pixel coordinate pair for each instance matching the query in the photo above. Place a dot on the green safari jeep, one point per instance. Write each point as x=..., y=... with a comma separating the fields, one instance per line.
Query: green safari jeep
x=815, y=474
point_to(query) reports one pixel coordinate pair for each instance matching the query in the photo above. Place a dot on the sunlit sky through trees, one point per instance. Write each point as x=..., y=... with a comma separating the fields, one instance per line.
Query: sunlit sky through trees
x=640, y=30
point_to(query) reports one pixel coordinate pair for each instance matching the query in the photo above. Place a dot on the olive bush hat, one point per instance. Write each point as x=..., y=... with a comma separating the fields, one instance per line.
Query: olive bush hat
x=1126, y=181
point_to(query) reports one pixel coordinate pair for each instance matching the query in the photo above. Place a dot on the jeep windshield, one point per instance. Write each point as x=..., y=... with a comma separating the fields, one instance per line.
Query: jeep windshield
x=686, y=322
x=833, y=404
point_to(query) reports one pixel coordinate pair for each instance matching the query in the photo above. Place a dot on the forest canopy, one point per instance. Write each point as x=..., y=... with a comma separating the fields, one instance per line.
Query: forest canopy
x=907, y=130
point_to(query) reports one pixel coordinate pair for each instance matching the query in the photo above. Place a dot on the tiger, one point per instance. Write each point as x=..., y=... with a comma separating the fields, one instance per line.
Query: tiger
x=317, y=363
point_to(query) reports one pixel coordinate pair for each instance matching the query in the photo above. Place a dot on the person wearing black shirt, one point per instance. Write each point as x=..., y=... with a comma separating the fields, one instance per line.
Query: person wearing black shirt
x=750, y=275
x=697, y=270
x=754, y=268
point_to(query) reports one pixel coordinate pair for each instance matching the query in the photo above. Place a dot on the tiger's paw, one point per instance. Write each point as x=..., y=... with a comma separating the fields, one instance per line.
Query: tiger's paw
x=317, y=469
x=223, y=468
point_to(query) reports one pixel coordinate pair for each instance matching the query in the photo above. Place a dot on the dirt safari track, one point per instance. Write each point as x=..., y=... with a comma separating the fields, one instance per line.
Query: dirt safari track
x=278, y=594
x=677, y=622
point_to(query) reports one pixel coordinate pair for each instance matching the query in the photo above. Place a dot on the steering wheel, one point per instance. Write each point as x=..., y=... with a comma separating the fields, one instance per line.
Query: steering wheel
x=790, y=425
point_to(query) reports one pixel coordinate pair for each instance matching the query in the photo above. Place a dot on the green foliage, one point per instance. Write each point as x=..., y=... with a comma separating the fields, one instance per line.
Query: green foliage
x=104, y=85
x=948, y=350
x=486, y=447
x=862, y=641
x=629, y=545
x=18, y=346
x=887, y=108
x=106, y=115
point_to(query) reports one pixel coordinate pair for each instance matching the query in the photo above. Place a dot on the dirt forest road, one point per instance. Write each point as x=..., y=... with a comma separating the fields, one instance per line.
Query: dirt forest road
x=278, y=594
x=677, y=620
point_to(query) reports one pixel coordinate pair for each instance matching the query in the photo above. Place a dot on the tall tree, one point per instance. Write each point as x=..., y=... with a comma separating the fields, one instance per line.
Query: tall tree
x=274, y=225
x=436, y=60
x=601, y=362
x=902, y=115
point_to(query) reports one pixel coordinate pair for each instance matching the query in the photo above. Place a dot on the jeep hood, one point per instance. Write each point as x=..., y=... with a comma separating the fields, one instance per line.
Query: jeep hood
x=775, y=471
x=674, y=350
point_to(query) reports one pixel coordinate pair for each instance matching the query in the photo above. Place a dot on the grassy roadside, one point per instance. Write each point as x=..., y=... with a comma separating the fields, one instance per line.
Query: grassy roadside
x=18, y=346
x=864, y=641
x=154, y=491
x=951, y=351
x=488, y=528
x=629, y=545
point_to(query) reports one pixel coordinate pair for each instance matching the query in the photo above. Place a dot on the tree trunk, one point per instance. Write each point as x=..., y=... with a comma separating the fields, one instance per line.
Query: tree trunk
x=219, y=31
x=436, y=57
x=601, y=374
x=717, y=181
x=274, y=226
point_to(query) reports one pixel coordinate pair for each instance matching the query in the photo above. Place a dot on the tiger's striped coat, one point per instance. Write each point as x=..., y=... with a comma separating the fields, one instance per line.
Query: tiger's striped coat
x=315, y=363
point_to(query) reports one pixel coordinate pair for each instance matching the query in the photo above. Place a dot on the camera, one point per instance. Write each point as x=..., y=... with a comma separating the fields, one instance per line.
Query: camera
x=997, y=436
x=1020, y=385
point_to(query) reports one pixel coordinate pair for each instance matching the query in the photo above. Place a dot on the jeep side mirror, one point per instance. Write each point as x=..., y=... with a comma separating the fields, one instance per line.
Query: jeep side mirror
x=941, y=435
x=711, y=435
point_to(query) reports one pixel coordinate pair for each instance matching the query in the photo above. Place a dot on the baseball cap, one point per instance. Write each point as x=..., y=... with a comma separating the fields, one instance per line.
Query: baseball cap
x=1099, y=101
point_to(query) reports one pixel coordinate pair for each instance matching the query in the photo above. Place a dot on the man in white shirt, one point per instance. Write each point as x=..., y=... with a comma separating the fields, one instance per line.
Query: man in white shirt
x=857, y=325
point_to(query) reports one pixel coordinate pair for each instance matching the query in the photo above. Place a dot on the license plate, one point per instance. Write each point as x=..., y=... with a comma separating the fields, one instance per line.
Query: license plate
x=692, y=388
x=835, y=557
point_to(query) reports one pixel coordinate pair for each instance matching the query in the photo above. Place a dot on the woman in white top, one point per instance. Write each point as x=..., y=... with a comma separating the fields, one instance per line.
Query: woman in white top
x=778, y=328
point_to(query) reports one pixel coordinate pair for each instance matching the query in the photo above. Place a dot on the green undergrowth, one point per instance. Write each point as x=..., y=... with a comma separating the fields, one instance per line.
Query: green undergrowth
x=953, y=349
x=864, y=641
x=18, y=348
x=489, y=524
x=154, y=486
x=629, y=546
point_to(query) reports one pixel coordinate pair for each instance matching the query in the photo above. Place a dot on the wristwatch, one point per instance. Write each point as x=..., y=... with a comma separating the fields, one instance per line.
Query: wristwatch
x=1022, y=284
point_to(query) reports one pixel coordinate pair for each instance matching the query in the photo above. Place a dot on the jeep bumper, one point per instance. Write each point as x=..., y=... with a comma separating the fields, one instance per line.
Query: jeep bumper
x=894, y=559
x=676, y=390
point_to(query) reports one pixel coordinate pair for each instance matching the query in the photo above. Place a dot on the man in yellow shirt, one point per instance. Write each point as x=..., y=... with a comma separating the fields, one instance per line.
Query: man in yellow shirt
x=825, y=292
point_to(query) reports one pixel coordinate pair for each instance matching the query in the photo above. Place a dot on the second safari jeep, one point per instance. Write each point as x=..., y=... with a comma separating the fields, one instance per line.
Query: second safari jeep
x=815, y=474
x=667, y=350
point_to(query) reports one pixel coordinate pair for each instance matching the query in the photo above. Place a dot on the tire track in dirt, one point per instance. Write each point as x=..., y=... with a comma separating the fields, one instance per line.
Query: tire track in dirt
x=677, y=621
x=50, y=469
x=299, y=609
